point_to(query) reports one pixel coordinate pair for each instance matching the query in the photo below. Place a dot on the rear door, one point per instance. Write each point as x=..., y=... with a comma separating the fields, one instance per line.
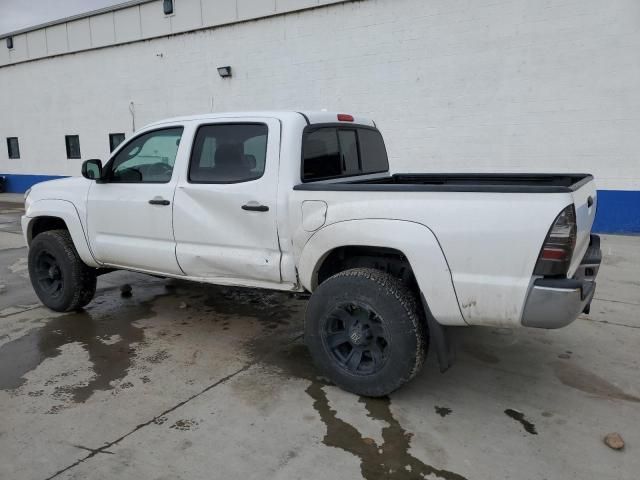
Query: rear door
x=225, y=206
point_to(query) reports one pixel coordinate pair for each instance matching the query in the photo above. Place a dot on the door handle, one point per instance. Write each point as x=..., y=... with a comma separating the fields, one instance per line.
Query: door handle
x=255, y=207
x=159, y=201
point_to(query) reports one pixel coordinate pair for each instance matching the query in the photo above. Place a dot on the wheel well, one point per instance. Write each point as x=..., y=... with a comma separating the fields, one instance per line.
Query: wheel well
x=44, y=224
x=386, y=259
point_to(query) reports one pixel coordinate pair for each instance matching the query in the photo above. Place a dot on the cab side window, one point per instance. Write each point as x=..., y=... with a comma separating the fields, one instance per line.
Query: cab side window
x=228, y=153
x=148, y=158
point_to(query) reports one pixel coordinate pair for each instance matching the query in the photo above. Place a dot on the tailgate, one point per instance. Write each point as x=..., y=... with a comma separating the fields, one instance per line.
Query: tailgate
x=585, y=201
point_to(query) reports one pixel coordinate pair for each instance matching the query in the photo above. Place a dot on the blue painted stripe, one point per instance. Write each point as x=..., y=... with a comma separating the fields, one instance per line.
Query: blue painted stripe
x=618, y=210
x=15, y=183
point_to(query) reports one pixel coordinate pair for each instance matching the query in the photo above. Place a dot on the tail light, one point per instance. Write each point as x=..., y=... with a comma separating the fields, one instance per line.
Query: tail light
x=558, y=247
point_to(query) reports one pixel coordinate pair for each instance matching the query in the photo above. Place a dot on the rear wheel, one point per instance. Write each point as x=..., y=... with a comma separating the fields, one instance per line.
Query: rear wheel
x=364, y=332
x=59, y=277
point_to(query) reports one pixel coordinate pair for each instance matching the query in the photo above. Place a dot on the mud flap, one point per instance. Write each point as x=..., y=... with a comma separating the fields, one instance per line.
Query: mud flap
x=440, y=339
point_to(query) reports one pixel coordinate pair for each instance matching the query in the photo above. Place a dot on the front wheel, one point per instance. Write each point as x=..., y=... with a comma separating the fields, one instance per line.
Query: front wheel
x=364, y=332
x=59, y=277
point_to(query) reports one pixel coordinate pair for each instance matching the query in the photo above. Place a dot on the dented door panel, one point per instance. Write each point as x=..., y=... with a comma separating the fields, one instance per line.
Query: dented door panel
x=229, y=230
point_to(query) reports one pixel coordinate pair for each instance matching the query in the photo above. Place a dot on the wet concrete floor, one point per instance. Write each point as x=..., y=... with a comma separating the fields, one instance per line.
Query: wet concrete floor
x=186, y=381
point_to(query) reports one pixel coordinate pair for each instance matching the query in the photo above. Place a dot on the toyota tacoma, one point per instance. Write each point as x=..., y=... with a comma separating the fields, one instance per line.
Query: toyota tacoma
x=305, y=202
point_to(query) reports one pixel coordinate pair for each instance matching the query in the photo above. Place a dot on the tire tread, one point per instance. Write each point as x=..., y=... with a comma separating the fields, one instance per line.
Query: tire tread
x=83, y=278
x=397, y=291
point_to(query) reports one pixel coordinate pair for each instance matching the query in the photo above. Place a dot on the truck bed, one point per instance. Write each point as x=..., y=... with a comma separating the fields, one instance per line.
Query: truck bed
x=489, y=227
x=458, y=182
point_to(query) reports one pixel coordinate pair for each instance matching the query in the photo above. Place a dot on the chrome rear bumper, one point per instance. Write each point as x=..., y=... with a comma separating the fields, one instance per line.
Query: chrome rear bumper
x=555, y=303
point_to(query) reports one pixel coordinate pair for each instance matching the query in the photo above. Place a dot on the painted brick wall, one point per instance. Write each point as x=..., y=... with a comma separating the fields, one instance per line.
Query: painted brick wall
x=455, y=85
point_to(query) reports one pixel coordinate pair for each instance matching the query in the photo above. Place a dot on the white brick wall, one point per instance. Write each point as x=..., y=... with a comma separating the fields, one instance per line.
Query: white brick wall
x=455, y=85
x=139, y=19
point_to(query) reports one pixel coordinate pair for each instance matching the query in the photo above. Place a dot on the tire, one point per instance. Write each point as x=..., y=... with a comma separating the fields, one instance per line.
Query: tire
x=59, y=277
x=364, y=332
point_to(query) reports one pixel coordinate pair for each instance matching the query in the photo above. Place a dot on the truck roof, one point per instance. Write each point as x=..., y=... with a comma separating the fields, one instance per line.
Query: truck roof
x=312, y=117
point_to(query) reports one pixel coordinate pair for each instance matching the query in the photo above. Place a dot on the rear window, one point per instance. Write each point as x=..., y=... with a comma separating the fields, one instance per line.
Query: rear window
x=228, y=153
x=335, y=152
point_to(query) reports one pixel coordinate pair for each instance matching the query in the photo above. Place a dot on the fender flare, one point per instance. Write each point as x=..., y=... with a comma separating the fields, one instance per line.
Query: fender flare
x=66, y=211
x=417, y=243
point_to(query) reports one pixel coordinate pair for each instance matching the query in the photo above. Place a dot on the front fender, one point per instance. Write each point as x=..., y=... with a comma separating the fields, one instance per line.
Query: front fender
x=414, y=240
x=66, y=211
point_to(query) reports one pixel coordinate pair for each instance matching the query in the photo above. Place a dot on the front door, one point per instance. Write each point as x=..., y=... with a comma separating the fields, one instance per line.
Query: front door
x=130, y=210
x=225, y=207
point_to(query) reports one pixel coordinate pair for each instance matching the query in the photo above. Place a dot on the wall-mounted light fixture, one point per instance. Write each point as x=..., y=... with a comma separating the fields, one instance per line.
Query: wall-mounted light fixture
x=224, y=72
x=9, y=43
x=167, y=7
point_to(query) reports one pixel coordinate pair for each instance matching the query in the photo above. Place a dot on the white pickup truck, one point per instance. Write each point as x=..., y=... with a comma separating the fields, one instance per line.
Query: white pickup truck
x=305, y=202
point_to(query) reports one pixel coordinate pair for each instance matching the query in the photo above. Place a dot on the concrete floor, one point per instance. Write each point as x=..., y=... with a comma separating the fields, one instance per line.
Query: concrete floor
x=197, y=382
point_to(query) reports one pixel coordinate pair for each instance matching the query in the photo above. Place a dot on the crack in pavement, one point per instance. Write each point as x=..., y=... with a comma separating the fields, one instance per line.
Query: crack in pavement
x=94, y=452
x=617, y=301
x=223, y=380
x=16, y=312
x=607, y=322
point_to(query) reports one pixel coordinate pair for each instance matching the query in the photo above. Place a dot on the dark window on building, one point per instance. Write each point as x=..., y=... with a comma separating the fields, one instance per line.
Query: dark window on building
x=167, y=6
x=13, y=147
x=230, y=153
x=334, y=152
x=115, y=139
x=9, y=43
x=73, y=146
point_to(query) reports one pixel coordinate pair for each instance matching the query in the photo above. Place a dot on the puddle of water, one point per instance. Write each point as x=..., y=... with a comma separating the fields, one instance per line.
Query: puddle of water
x=577, y=377
x=391, y=459
x=107, y=331
x=519, y=417
x=443, y=411
x=110, y=360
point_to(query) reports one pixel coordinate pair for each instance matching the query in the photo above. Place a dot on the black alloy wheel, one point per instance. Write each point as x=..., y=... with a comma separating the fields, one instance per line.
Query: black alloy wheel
x=49, y=274
x=355, y=337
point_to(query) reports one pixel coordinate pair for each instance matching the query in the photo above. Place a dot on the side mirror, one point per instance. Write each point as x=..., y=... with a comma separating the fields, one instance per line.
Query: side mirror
x=92, y=169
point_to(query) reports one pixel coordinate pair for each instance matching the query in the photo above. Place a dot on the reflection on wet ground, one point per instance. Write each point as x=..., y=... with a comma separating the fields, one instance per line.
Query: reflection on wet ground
x=109, y=333
x=110, y=360
x=107, y=330
x=577, y=377
x=390, y=459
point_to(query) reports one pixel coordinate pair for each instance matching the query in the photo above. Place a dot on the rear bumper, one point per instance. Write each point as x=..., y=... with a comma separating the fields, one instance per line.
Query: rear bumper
x=555, y=303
